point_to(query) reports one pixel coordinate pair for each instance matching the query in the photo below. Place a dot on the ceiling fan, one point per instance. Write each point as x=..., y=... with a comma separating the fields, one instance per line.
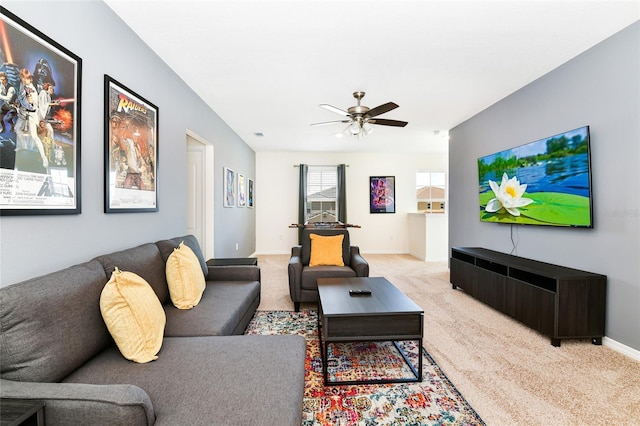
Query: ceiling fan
x=360, y=117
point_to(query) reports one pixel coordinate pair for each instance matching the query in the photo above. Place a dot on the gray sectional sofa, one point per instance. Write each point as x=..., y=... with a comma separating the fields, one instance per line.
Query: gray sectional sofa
x=55, y=347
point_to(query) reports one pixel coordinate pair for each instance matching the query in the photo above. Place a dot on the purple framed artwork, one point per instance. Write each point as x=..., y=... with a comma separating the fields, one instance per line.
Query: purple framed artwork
x=382, y=197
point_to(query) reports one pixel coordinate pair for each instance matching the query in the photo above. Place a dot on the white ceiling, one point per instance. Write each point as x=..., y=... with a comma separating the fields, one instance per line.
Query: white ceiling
x=265, y=66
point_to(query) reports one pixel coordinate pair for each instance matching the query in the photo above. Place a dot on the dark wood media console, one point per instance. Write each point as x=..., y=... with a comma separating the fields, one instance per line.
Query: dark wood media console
x=559, y=302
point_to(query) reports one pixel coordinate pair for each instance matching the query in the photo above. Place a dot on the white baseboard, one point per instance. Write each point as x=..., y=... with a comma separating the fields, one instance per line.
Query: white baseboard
x=364, y=253
x=623, y=349
x=272, y=252
x=437, y=260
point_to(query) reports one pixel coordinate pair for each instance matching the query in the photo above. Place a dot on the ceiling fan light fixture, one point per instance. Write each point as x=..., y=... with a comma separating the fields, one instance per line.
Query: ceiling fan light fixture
x=360, y=118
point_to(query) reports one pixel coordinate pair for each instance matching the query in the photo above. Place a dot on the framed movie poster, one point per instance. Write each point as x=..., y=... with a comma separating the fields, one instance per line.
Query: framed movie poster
x=242, y=192
x=131, y=150
x=382, y=197
x=229, y=188
x=40, y=84
x=250, y=193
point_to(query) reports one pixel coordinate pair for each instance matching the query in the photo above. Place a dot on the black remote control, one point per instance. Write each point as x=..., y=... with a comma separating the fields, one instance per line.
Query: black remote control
x=359, y=292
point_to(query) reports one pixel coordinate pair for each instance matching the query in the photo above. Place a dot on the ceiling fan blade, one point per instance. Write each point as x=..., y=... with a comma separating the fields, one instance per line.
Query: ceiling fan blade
x=381, y=109
x=336, y=110
x=331, y=122
x=385, y=122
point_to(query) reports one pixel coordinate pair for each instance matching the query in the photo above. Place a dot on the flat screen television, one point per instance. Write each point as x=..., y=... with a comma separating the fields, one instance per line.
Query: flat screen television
x=546, y=182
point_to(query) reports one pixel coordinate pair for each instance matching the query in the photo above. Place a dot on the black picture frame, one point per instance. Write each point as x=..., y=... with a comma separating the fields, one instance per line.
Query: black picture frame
x=40, y=161
x=130, y=150
x=250, y=191
x=382, y=194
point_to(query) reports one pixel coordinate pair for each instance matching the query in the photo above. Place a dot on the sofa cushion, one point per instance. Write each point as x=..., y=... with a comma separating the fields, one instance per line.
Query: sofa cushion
x=311, y=274
x=223, y=380
x=185, y=278
x=144, y=260
x=52, y=324
x=326, y=250
x=166, y=248
x=134, y=316
x=226, y=308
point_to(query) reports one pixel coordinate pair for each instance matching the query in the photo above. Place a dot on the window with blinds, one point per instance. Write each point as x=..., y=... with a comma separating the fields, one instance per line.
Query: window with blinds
x=322, y=202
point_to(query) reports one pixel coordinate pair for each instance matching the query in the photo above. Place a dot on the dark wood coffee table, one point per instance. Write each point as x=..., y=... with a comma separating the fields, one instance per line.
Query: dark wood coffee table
x=15, y=412
x=385, y=315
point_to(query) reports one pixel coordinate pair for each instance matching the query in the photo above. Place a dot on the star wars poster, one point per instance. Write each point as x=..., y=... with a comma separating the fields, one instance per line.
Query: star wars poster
x=39, y=122
x=131, y=150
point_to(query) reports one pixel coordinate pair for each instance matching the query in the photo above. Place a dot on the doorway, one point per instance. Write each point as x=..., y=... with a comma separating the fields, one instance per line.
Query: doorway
x=200, y=192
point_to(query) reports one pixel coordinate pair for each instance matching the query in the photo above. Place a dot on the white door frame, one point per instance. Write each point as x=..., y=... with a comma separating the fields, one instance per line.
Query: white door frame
x=208, y=193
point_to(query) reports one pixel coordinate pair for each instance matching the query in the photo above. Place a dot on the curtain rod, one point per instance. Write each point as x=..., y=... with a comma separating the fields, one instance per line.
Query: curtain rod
x=322, y=165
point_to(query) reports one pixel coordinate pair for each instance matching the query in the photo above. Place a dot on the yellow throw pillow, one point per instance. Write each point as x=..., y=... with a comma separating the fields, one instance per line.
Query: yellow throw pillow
x=185, y=277
x=326, y=250
x=134, y=316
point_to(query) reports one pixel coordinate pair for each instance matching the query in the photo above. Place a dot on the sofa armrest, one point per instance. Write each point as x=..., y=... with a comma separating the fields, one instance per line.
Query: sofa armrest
x=358, y=263
x=234, y=273
x=75, y=403
x=295, y=273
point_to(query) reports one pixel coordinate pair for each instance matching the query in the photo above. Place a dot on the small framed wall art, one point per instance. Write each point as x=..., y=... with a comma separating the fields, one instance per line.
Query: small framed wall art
x=382, y=197
x=242, y=191
x=130, y=150
x=250, y=193
x=229, y=188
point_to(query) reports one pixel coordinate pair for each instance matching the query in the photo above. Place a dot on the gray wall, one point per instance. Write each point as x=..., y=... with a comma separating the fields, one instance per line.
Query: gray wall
x=33, y=245
x=599, y=88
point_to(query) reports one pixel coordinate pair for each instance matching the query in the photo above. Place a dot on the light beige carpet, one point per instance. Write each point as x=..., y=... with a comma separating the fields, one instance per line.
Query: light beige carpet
x=509, y=374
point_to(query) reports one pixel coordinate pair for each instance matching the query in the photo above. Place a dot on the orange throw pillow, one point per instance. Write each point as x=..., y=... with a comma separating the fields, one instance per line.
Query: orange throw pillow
x=326, y=250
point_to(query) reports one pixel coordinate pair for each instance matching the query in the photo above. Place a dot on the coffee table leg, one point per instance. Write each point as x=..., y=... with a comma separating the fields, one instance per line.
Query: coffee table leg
x=420, y=360
x=325, y=367
x=417, y=373
x=323, y=347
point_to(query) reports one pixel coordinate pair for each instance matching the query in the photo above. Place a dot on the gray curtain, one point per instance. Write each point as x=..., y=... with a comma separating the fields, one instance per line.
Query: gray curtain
x=342, y=194
x=302, y=198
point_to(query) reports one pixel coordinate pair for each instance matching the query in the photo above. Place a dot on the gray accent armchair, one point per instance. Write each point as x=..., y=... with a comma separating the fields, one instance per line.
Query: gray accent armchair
x=302, y=277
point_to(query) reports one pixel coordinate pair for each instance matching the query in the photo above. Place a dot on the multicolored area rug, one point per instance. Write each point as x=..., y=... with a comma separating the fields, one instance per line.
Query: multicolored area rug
x=434, y=401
